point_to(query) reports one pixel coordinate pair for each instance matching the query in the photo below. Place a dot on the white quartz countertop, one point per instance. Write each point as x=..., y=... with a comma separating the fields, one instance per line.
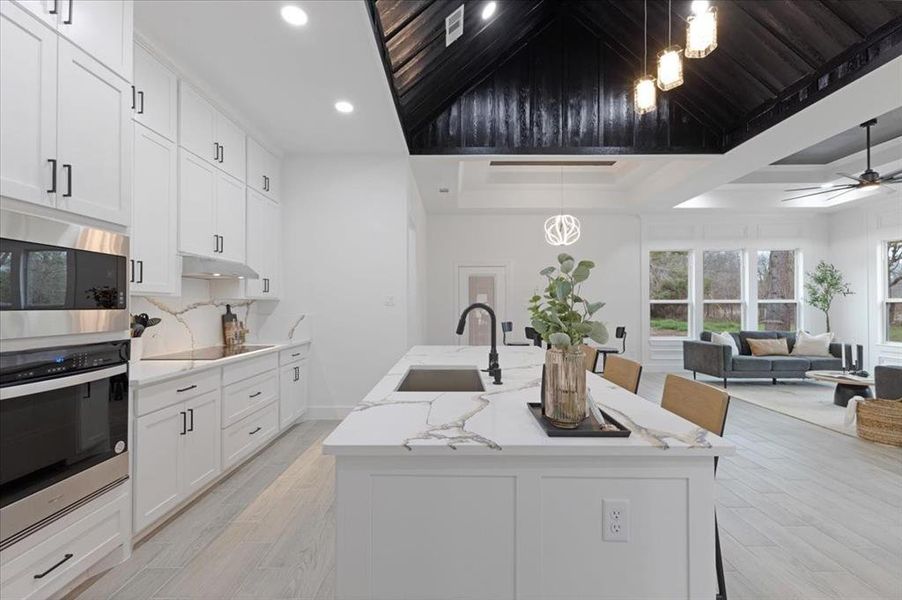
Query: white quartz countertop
x=146, y=372
x=497, y=421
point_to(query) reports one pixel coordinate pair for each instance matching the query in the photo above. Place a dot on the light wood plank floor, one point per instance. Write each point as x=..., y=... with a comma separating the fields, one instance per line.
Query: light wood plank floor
x=805, y=513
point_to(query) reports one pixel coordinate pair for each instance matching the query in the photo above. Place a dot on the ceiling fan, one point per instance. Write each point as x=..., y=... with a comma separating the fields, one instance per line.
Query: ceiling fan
x=869, y=178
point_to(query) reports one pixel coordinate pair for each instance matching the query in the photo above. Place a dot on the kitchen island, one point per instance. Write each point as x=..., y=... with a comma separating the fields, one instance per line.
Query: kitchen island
x=462, y=495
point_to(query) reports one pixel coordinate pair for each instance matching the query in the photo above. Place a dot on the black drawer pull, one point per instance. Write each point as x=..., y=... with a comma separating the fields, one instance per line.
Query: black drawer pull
x=68, y=169
x=191, y=415
x=69, y=20
x=141, y=102
x=47, y=572
x=255, y=394
x=52, y=189
x=255, y=431
x=184, y=422
x=190, y=387
x=56, y=7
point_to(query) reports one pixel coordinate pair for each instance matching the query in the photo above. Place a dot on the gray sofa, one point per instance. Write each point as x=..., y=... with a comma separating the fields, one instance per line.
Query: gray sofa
x=717, y=360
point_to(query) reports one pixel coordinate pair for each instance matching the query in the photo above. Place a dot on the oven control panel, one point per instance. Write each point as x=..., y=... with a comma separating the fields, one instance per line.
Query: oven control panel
x=47, y=363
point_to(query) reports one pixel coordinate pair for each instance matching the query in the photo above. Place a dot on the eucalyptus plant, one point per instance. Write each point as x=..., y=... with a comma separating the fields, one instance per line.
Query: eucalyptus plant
x=823, y=285
x=560, y=315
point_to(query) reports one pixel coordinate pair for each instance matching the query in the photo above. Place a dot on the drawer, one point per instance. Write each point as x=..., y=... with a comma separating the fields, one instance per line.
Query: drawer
x=242, y=398
x=73, y=550
x=160, y=395
x=248, y=434
x=248, y=368
x=290, y=355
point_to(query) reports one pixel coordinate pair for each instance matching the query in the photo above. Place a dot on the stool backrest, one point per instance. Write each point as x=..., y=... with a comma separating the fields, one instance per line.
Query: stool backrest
x=623, y=371
x=700, y=403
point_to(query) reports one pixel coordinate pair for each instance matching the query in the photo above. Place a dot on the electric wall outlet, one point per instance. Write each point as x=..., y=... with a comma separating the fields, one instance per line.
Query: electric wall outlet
x=615, y=520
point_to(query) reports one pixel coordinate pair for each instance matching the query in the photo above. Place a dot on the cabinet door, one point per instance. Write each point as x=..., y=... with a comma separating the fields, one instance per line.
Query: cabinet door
x=232, y=154
x=27, y=106
x=155, y=215
x=230, y=217
x=202, y=451
x=157, y=460
x=94, y=129
x=197, y=199
x=45, y=10
x=197, y=124
x=257, y=232
x=103, y=29
x=274, y=181
x=288, y=384
x=302, y=387
x=156, y=95
x=272, y=245
x=256, y=166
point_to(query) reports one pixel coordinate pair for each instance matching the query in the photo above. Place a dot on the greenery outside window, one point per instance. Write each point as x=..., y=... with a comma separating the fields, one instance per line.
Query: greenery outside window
x=777, y=300
x=668, y=293
x=722, y=290
x=893, y=301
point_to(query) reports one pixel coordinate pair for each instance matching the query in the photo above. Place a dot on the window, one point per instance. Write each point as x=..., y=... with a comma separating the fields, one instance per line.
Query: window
x=669, y=293
x=777, y=304
x=722, y=290
x=893, y=302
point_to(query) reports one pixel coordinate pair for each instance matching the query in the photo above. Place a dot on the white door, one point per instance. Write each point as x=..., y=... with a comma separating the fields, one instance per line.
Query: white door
x=94, y=128
x=197, y=124
x=257, y=233
x=156, y=95
x=197, y=199
x=232, y=152
x=230, y=217
x=486, y=284
x=157, y=460
x=288, y=382
x=202, y=452
x=155, y=215
x=27, y=107
x=103, y=29
x=45, y=10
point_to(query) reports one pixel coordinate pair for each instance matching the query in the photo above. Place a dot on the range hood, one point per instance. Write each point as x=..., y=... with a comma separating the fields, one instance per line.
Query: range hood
x=199, y=267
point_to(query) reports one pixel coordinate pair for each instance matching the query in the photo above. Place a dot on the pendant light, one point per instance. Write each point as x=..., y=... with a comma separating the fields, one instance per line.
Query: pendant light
x=645, y=96
x=670, y=61
x=561, y=229
x=701, y=30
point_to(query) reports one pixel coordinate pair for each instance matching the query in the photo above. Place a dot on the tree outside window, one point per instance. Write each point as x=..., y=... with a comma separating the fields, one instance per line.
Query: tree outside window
x=669, y=293
x=722, y=281
x=777, y=303
x=893, y=301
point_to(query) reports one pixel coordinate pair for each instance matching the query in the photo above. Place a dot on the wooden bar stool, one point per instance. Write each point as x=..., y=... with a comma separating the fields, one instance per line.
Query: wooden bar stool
x=590, y=357
x=624, y=372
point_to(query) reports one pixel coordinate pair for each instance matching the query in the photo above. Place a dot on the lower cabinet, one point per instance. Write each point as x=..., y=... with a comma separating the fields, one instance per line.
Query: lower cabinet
x=177, y=453
x=248, y=434
x=293, y=392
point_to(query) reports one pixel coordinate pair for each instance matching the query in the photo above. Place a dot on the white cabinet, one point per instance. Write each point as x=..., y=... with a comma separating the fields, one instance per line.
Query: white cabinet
x=154, y=252
x=45, y=10
x=177, y=452
x=293, y=393
x=94, y=138
x=155, y=99
x=262, y=170
x=102, y=28
x=209, y=134
x=211, y=210
x=27, y=107
x=263, y=246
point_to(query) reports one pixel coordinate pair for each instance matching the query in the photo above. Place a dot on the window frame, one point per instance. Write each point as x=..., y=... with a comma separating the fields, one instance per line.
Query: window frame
x=886, y=299
x=797, y=288
x=743, y=291
x=688, y=301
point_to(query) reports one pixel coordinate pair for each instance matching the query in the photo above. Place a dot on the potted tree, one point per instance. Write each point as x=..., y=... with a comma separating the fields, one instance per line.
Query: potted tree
x=823, y=285
x=564, y=320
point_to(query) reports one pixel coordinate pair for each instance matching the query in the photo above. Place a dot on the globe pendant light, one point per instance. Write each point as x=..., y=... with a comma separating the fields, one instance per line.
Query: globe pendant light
x=644, y=95
x=561, y=229
x=670, y=61
x=701, y=30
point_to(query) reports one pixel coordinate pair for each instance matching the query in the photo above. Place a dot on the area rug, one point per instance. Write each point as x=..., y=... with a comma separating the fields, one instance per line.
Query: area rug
x=808, y=400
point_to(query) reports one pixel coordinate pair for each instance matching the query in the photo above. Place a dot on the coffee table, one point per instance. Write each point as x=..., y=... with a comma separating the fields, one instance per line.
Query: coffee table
x=847, y=385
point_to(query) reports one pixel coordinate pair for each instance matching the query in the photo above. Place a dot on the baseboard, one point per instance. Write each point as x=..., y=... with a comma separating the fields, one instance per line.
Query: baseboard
x=327, y=413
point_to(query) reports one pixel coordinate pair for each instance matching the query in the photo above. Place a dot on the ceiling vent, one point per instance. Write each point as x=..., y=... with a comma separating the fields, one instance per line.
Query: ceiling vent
x=454, y=25
x=552, y=163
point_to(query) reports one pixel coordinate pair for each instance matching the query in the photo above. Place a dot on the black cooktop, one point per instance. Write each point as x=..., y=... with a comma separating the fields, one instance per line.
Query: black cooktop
x=209, y=353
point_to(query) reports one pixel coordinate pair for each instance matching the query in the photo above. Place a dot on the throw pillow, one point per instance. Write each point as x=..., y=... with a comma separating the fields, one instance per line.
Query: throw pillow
x=725, y=339
x=812, y=345
x=778, y=347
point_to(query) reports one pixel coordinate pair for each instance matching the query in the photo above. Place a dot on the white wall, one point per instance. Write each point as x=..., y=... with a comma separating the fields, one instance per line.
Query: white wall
x=856, y=237
x=344, y=257
x=611, y=241
x=417, y=265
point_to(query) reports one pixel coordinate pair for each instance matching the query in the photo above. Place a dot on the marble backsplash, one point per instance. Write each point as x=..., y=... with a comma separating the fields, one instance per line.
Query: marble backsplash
x=193, y=320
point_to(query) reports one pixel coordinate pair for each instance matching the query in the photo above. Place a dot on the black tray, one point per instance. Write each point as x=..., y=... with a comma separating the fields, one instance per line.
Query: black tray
x=588, y=428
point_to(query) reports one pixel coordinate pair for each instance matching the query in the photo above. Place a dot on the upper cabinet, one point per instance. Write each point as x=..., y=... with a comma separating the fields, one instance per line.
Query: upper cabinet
x=209, y=134
x=262, y=170
x=155, y=95
x=263, y=246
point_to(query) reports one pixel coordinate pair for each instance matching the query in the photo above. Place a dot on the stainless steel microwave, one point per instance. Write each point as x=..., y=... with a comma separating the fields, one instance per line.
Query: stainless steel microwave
x=57, y=278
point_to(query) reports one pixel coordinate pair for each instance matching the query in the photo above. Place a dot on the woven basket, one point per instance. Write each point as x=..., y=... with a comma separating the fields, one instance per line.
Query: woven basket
x=880, y=421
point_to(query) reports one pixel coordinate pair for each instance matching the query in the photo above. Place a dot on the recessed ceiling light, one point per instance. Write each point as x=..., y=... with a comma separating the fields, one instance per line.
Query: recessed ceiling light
x=343, y=106
x=294, y=15
x=488, y=10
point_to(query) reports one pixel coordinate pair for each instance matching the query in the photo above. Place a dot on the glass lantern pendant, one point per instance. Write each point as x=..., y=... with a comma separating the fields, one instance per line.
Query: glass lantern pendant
x=701, y=33
x=645, y=95
x=562, y=230
x=670, y=68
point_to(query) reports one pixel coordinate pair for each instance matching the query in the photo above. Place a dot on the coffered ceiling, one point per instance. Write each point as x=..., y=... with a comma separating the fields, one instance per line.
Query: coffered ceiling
x=548, y=77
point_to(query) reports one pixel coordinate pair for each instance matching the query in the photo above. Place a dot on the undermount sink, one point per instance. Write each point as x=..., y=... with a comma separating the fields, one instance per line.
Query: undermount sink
x=441, y=379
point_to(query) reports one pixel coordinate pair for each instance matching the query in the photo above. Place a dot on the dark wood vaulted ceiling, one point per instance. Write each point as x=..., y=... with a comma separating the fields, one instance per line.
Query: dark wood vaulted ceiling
x=556, y=76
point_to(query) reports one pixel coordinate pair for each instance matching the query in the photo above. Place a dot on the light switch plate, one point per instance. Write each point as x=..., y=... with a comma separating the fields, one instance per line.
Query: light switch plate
x=615, y=520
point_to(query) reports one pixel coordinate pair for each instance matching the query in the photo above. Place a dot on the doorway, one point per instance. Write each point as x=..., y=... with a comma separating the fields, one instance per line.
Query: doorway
x=486, y=284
